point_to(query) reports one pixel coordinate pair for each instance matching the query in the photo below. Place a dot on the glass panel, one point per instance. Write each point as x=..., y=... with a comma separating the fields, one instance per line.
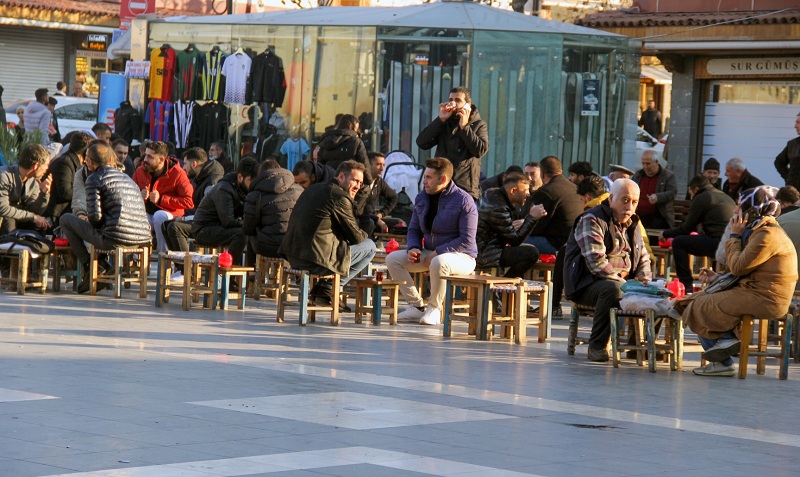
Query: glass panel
x=417, y=69
x=80, y=112
x=600, y=78
x=344, y=78
x=515, y=82
x=757, y=92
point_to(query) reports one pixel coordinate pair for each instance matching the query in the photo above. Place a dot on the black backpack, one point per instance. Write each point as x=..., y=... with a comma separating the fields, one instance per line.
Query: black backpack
x=35, y=241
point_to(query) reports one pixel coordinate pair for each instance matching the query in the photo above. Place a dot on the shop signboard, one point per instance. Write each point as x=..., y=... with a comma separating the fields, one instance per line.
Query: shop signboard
x=112, y=92
x=130, y=9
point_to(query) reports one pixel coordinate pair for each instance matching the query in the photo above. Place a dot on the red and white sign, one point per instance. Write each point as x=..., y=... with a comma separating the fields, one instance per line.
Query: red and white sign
x=130, y=9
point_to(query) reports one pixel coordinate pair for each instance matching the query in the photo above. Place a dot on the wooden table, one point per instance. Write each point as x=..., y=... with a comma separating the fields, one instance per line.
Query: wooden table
x=482, y=284
x=363, y=287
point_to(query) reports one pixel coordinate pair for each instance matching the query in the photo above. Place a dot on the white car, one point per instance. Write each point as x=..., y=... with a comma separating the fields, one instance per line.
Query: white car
x=645, y=141
x=74, y=114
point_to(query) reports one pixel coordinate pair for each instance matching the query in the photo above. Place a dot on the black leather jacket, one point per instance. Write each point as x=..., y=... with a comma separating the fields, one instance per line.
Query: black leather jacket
x=495, y=229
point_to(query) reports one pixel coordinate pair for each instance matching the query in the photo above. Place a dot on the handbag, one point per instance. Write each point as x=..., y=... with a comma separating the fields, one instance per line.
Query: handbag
x=35, y=241
x=722, y=283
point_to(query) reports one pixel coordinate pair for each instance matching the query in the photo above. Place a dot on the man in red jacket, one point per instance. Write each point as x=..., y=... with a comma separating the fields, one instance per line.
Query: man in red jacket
x=165, y=187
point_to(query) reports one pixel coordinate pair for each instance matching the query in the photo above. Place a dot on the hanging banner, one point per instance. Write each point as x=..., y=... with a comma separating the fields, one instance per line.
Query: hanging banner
x=591, y=98
x=112, y=92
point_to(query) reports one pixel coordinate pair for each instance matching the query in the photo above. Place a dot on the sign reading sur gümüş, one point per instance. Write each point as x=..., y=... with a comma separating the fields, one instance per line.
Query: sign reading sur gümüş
x=130, y=9
x=590, y=105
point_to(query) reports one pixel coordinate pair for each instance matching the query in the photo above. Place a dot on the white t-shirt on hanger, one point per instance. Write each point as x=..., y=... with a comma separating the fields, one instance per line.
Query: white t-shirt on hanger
x=236, y=70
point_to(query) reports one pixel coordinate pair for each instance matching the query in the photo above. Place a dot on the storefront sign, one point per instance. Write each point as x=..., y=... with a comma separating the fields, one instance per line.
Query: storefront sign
x=99, y=55
x=137, y=69
x=753, y=66
x=591, y=98
x=96, y=42
x=130, y=9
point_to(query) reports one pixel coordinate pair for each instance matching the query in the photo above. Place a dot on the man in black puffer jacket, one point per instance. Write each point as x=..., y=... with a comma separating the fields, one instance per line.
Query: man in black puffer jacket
x=218, y=219
x=343, y=144
x=460, y=135
x=499, y=242
x=115, y=211
x=268, y=207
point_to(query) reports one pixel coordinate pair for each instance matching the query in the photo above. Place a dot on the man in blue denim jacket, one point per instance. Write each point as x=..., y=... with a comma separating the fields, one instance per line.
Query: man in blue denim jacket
x=441, y=238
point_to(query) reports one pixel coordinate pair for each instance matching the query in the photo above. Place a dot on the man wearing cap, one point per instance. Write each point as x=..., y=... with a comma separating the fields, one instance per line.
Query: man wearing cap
x=711, y=171
x=788, y=161
x=616, y=171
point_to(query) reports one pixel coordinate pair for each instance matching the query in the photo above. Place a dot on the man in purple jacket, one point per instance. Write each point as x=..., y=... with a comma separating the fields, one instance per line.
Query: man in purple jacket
x=441, y=238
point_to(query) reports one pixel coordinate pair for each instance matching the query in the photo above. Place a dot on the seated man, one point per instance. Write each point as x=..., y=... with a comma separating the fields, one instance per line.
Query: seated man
x=604, y=248
x=499, y=242
x=116, y=214
x=307, y=173
x=62, y=169
x=165, y=188
x=446, y=218
x=323, y=236
x=268, y=207
x=23, y=193
x=497, y=181
x=659, y=189
x=376, y=200
x=709, y=214
x=218, y=219
x=203, y=174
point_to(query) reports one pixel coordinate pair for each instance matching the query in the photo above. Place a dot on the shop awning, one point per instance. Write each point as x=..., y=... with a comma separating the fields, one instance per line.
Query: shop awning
x=658, y=74
x=120, y=48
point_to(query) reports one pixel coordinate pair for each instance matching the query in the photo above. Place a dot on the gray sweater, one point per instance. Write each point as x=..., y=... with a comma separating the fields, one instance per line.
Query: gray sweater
x=19, y=201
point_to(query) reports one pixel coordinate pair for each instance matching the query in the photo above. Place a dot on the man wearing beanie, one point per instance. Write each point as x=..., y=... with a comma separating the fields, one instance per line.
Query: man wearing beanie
x=711, y=171
x=788, y=161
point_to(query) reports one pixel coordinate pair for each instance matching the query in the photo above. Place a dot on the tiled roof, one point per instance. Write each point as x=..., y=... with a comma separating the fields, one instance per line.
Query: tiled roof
x=634, y=18
x=91, y=7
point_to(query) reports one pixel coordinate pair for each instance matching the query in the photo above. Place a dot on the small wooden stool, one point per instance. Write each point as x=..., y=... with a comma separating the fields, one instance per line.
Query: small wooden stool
x=645, y=339
x=363, y=287
x=59, y=270
x=760, y=348
x=194, y=283
x=120, y=274
x=268, y=277
x=514, y=317
x=21, y=258
x=306, y=281
x=228, y=273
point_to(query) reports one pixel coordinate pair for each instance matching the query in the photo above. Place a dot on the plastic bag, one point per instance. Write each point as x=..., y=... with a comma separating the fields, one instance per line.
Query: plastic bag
x=642, y=301
x=637, y=287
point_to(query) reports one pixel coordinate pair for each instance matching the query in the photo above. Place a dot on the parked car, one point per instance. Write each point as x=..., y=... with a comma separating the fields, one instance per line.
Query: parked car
x=645, y=141
x=73, y=114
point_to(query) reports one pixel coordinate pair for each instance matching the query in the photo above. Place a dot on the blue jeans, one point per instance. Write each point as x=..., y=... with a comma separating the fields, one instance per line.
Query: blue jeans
x=541, y=244
x=707, y=343
x=360, y=256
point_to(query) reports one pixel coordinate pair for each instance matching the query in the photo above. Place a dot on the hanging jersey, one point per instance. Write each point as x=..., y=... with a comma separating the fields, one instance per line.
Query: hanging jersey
x=211, y=75
x=187, y=75
x=183, y=113
x=236, y=70
x=159, y=115
x=162, y=73
x=294, y=149
x=209, y=124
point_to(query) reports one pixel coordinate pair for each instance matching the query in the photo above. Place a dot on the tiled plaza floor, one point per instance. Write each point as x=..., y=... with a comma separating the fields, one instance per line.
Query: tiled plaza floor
x=93, y=386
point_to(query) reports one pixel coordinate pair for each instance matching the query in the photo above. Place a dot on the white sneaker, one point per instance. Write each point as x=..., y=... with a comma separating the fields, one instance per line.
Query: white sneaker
x=714, y=368
x=412, y=314
x=432, y=316
x=176, y=278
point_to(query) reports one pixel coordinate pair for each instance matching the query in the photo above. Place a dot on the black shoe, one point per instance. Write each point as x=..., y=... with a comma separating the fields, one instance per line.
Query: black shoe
x=598, y=355
x=85, y=284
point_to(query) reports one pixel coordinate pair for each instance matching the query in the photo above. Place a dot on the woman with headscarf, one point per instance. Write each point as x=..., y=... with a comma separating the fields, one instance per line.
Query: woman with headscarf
x=762, y=255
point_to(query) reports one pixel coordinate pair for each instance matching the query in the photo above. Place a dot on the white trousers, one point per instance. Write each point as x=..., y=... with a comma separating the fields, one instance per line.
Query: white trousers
x=156, y=220
x=442, y=266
